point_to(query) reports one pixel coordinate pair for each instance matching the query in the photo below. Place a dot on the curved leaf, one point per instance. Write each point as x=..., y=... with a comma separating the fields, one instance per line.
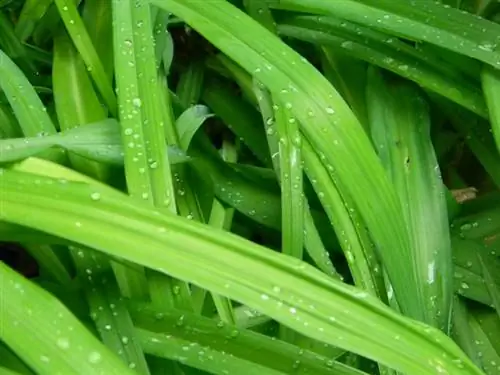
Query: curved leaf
x=38, y=321
x=189, y=122
x=316, y=305
x=324, y=118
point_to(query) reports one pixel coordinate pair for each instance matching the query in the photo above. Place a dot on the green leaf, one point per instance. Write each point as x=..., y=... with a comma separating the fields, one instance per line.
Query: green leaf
x=312, y=240
x=323, y=117
x=486, y=352
x=491, y=87
x=6, y=371
x=490, y=282
x=400, y=125
x=386, y=52
x=431, y=22
x=230, y=343
x=32, y=12
x=76, y=29
x=76, y=101
x=189, y=122
x=348, y=75
x=27, y=106
x=477, y=137
x=336, y=313
x=238, y=116
x=291, y=177
x=108, y=309
x=100, y=141
x=61, y=344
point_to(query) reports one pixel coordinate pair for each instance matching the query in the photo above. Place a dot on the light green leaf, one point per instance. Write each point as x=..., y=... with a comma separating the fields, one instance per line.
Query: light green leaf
x=336, y=313
x=58, y=342
x=323, y=117
x=189, y=122
x=100, y=141
x=400, y=125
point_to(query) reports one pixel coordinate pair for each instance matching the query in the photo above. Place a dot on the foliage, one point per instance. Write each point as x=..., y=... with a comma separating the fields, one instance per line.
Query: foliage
x=249, y=187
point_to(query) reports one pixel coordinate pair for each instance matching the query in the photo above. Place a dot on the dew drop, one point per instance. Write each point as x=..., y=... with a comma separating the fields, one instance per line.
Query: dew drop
x=347, y=44
x=488, y=47
x=137, y=102
x=95, y=196
x=63, y=343
x=94, y=357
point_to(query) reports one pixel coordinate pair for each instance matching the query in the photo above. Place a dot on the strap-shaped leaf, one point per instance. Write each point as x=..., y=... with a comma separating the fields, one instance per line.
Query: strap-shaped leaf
x=286, y=289
x=325, y=121
x=429, y=21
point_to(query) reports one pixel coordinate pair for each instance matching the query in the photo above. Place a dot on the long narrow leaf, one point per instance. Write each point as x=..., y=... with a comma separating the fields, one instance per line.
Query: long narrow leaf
x=31, y=317
x=324, y=117
x=336, y=313
x=432, y=22
x=400, y=124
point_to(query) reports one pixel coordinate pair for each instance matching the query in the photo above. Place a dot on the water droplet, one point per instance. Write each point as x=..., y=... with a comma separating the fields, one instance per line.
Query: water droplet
x=234, y=333
x=347, y=44
x=488, y=47
x=180, y=321
x=94, y=357
x=63, y=343
x=137, y=102
x=95, y=196
x=159, y=316
x=466, y=227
